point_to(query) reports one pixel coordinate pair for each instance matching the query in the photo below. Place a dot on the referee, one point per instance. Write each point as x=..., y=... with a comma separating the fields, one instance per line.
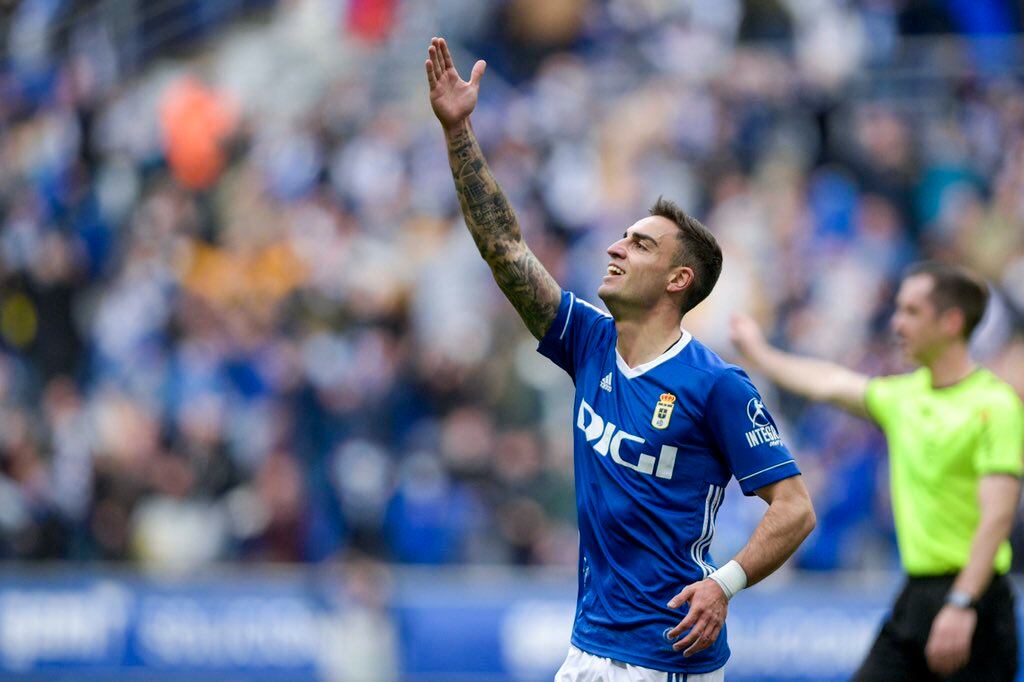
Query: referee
x=955, y=435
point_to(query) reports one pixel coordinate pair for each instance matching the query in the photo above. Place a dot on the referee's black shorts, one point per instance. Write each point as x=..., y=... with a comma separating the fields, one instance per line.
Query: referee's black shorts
x=898, y=652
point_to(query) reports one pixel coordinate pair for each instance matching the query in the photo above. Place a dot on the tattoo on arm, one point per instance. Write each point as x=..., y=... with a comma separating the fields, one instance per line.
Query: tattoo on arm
x=491, y=221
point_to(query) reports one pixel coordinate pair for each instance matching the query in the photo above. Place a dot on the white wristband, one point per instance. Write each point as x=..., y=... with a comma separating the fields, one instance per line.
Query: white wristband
x=731, y=578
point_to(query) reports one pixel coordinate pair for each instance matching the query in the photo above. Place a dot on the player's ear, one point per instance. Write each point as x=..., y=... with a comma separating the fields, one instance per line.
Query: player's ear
x=680, y=279
x=952, y=322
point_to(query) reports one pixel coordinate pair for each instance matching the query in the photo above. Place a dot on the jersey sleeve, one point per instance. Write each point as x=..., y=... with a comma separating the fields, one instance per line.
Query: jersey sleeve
x=883, y=398
x=746, y=434
x=1001, y=447
x=573, y=334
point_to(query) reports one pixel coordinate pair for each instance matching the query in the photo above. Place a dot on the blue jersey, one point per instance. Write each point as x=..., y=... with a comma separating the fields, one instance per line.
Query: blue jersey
x=654, y=447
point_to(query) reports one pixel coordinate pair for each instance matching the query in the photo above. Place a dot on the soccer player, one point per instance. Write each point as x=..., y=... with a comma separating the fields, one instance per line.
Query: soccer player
x=955, y=435
x=661, y=424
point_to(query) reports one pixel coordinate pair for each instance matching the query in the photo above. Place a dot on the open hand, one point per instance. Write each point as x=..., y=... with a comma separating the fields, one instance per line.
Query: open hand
x=451, y=98
x=745, y=334
x=708, y=608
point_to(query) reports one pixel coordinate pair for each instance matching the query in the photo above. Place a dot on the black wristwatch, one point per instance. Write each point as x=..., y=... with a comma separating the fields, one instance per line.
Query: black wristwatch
x=960, y=599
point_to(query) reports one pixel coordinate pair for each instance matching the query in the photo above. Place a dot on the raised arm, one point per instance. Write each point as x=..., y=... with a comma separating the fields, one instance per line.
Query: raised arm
x=530, y=288
x=814, y=379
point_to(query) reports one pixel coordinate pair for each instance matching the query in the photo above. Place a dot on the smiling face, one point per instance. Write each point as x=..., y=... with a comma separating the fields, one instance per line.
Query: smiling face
x=643, y=269
x=922, y=330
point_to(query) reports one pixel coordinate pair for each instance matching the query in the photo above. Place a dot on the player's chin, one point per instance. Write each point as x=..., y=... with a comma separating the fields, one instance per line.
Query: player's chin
x=906, y=348
x=911, y=354
x=607, y=288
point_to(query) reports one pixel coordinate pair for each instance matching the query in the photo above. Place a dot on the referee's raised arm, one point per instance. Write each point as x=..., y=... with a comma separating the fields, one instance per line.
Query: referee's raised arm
x=814, y=379
x=527, y=284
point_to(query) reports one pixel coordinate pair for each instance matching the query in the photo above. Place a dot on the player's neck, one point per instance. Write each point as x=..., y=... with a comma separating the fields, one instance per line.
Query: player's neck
x=643, y=339
x=951, y=365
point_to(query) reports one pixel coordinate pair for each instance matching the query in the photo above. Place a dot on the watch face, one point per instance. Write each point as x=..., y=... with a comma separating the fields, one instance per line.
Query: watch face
x=959, y=599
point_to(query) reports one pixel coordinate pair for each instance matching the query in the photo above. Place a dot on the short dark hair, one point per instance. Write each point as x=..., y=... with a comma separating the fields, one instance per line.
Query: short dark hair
x=954, y=287
x=697, y=249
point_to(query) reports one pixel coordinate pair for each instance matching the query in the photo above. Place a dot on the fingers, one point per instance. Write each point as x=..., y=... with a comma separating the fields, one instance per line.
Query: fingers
x=478, y=72
x=695, y=633
x=691, y=617
x=431, y=78
x=674, y=603
x=701, y=636
x=684, y=596
x=679, y=629
x=945, y=661
x=706, y=639
x=687, y=623
x=435, y=58
x=941, y=664
x=744, y=333
x=954, y=663
x=693, y=638
x=441, y=61
x=740, y=323
x=446, y=56
x=949, y=643
x=702, y=622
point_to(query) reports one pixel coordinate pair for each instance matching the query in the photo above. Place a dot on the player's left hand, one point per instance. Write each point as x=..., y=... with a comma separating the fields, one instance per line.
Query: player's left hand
x=949, y=643
x=451, y=98
x=708, y=607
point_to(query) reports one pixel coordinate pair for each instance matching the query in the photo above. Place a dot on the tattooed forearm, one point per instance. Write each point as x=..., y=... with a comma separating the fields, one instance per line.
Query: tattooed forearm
x=494, y=227
x=532, y=291
x=489, y=217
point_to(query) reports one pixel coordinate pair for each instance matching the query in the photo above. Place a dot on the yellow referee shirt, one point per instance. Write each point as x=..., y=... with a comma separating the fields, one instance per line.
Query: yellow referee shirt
x=941, y=442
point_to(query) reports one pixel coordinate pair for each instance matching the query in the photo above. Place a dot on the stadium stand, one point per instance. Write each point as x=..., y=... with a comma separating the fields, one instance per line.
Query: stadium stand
x=241, y=322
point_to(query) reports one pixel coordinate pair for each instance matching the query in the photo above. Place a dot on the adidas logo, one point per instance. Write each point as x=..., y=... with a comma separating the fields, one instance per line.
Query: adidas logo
x=606, y=383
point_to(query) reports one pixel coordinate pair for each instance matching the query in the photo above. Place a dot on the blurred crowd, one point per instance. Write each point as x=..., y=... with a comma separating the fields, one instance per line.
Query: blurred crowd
x=241, y=319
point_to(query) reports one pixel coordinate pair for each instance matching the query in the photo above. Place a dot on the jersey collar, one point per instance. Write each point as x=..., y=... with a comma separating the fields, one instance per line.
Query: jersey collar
x=674, y=349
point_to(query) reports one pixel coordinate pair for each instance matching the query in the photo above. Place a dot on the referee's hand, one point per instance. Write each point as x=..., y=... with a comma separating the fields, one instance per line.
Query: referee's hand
x=949, y=643
x=708, y=606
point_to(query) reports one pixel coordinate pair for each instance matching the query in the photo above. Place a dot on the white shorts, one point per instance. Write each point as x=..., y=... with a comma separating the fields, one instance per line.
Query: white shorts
x=579, y=666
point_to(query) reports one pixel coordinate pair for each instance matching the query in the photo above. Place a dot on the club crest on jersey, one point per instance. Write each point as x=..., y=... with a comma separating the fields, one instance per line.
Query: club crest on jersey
x=663, y=411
